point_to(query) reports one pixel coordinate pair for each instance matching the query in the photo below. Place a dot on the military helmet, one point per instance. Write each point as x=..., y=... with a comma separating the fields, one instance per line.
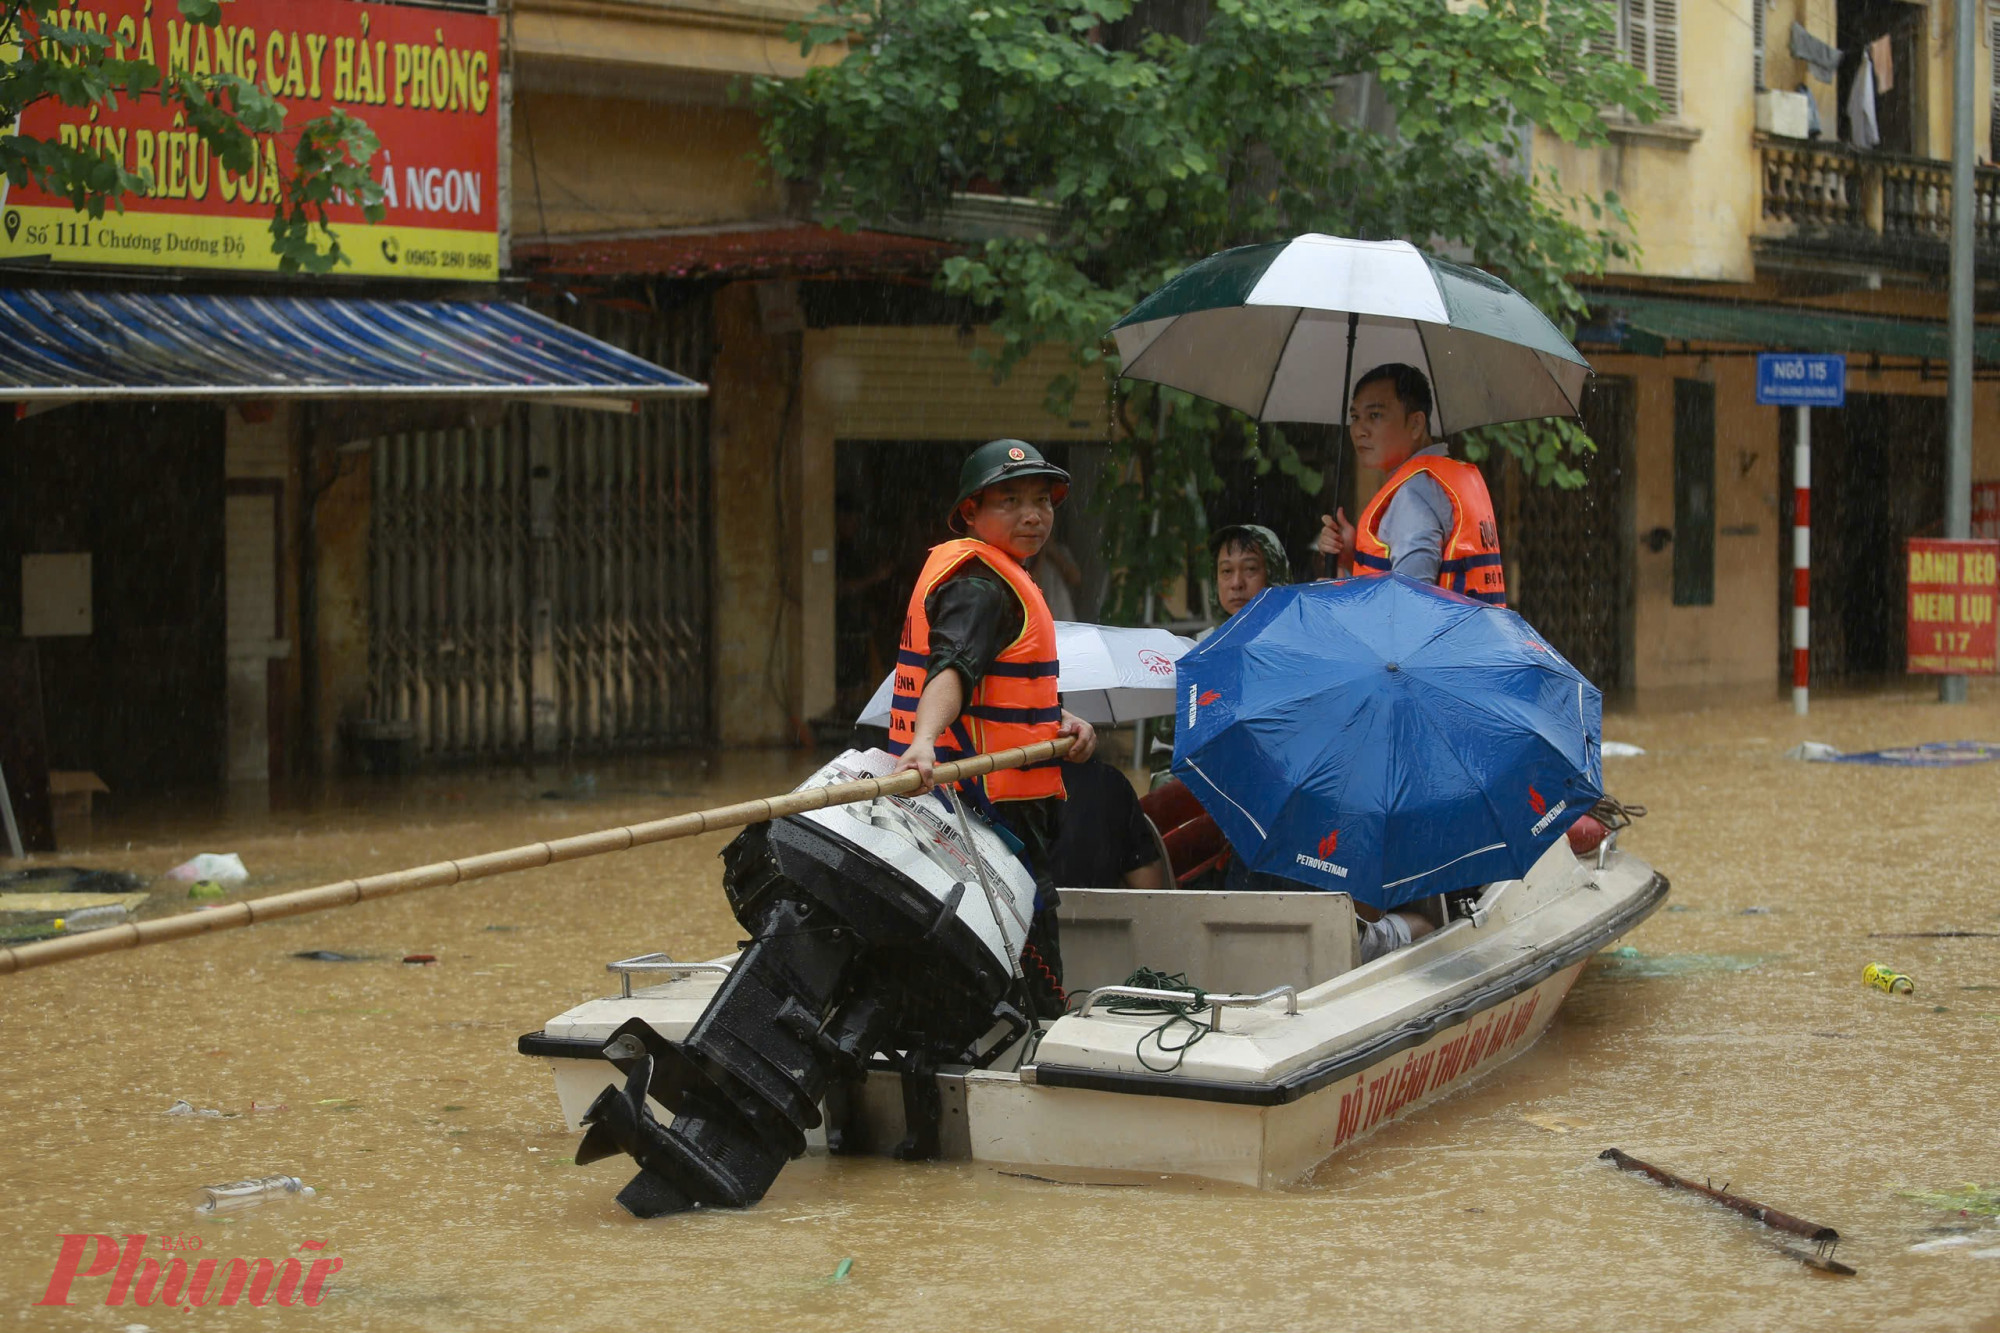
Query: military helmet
x=1005, y=460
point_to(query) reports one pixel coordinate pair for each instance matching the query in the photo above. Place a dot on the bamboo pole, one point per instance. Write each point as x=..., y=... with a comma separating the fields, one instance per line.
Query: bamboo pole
x=347, y=892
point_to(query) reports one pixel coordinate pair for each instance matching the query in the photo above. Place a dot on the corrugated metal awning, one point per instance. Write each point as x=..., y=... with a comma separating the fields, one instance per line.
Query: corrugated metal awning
x=1657, y=320
x=66, y=344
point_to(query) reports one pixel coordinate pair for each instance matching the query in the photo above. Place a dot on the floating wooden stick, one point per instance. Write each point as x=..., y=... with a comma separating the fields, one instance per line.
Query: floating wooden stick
x=1824, y=1239
x=131, y=935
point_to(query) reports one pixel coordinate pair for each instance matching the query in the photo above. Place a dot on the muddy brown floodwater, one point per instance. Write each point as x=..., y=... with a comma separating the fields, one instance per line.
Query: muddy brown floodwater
x=1741, y=1046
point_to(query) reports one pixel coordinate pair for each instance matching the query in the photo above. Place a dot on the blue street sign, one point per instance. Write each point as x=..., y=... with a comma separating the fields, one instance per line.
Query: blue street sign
x=1795, y=379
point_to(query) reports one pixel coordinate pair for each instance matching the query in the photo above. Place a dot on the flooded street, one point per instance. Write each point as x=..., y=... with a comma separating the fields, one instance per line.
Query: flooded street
x=1739, y=1044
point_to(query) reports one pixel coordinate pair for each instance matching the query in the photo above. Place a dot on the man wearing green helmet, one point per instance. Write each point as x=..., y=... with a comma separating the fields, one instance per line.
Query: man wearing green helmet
x=1248, y=559
x=976, y=669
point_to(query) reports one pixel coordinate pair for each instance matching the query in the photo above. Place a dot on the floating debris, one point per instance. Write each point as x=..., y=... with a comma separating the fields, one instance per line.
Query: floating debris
x=184, y=1107
x=1969, y=1199
x=1942, y=1243
x=1081, y=1184
x=1935, y=754
x=1825, y=1239
x=1627, y=963
x=1620, y=750
x=222, y=867
x=1885, y=978
x=69, y=879
x=1935, y=935
x=329, y=956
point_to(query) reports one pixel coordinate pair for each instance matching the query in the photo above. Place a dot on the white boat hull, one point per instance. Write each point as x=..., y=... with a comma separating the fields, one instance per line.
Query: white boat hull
x=1269, y=1095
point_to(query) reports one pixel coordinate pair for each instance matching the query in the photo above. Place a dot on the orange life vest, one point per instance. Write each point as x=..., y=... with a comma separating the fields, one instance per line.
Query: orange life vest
x=1470, y=560
x=1015, y=703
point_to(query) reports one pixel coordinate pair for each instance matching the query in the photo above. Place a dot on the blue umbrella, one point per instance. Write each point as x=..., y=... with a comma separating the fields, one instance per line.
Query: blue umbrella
x=1386, y=738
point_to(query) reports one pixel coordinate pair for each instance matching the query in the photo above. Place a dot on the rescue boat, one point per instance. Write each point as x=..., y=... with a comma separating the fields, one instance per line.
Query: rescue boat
x=1274, y=1048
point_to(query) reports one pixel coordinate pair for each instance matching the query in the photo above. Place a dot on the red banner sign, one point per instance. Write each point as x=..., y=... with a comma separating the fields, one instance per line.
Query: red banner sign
x=1953, y=588
x=1986, y=509
x=427, y=81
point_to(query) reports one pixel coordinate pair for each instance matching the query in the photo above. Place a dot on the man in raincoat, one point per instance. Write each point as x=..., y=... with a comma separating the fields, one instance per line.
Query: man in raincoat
x=976, y=670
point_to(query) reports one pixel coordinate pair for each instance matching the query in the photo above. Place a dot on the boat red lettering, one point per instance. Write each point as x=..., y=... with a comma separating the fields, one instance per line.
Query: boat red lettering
x=1477, y=1051
x=1526, y=1017
x=1378, y=1091
x=1420, y=1075
x=1399, y=1087
x=1350, y=1115
x=1497, y=1037
x=1449, y=1056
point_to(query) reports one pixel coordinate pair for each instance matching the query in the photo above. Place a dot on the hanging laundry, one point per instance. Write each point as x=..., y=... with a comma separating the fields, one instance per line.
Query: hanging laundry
x=1824, y=59
x=1883, y=52
x=1813, y=128
x=1862, y=131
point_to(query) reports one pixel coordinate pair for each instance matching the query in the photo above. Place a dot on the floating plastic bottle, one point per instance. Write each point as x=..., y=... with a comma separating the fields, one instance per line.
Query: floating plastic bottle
x=243, y=1193
x=92, y=918
x=1885, y=978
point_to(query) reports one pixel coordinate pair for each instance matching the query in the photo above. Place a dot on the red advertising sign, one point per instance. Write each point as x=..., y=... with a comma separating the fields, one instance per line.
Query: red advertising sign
x=427, y=81
x=1953, y=587
x=1986, y=509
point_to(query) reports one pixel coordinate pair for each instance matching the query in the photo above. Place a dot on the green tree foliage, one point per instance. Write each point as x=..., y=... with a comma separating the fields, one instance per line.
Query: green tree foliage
x=1149, y=151
x=49, y=50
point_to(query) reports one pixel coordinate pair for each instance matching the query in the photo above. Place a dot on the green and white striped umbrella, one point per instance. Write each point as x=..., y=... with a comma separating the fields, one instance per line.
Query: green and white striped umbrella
x=1262, y=328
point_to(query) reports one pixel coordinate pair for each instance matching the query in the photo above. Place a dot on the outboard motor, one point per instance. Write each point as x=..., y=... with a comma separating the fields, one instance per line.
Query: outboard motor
x=893, y=926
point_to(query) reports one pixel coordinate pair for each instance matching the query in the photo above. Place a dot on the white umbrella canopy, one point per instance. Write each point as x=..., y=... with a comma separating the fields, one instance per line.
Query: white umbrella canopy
x=1108, y=674
x=1261, y=329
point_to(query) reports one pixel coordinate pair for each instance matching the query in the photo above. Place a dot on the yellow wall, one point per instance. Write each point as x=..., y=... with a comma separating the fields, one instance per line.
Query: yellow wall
x=714, y=36
x=588, y=165
x=919, y=382
x=1692, y=184
x=914, y=382
x=1696, y=201
x=1731, y=647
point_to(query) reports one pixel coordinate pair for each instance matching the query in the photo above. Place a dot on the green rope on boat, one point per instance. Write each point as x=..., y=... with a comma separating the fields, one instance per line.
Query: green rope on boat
x=1177, y=1013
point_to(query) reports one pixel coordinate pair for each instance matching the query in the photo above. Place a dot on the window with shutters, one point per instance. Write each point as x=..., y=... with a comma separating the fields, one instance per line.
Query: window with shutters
x=1993, y=85
x=1649, y=36
x=1757, y=11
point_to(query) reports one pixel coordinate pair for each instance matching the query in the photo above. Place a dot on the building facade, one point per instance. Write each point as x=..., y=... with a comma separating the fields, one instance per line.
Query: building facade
x=1765, y=221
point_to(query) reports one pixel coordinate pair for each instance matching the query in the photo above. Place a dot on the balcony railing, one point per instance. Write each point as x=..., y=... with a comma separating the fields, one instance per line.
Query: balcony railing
x=1842, y=195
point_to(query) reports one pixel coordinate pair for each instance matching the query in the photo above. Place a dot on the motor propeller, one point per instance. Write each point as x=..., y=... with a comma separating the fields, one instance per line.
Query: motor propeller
x=860, y=948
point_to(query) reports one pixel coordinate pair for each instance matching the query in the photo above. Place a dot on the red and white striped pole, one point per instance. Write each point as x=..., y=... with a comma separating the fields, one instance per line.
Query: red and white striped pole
x=1801, y=558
